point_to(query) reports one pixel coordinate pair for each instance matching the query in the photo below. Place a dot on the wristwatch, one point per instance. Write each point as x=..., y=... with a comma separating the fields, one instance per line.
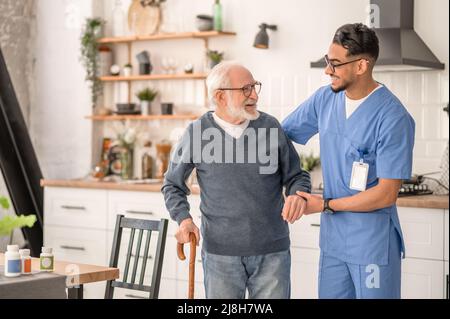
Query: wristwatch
x=326, y=206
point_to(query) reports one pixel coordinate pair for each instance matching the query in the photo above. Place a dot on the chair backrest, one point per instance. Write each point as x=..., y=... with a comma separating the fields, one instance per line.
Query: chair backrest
x=141, y=225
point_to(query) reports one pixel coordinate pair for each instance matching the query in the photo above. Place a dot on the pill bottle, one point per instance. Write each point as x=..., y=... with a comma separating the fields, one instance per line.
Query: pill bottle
x=46, y=259
x=12, y=261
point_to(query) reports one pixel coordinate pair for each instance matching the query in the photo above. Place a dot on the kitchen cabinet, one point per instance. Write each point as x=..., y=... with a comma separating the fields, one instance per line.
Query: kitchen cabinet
x=447, y=281
x=423, y=231
x=305, y=232
x=83, y=233
x=78, y=245
x=422, y=279
x=79, y=224
x=304, y=273
x=75, y=207
x=446, y=235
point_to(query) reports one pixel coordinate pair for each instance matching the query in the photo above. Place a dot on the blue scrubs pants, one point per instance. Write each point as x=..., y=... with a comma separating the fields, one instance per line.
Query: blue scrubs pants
x=341, y=280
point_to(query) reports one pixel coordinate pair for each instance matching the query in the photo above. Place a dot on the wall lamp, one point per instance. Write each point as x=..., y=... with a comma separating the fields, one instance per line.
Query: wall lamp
x=262, y=38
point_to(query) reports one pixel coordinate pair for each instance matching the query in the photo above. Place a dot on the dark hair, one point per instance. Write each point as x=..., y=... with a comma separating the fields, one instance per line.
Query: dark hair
x=358, y=39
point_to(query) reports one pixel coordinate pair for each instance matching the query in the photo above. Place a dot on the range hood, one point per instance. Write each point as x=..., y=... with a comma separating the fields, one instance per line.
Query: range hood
x=401, y=48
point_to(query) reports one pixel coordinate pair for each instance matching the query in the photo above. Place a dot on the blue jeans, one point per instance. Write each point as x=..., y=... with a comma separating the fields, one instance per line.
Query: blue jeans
x=264, y=276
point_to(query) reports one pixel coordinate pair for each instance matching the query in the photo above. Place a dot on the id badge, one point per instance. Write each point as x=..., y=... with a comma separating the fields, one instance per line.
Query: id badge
x=358, y=181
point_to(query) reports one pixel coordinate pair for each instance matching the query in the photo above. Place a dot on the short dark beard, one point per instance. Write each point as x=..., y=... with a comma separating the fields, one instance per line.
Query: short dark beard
x=339, y=89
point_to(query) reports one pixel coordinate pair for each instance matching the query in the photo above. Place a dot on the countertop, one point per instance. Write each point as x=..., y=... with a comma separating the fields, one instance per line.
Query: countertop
x=123, y=186
x=424, y=201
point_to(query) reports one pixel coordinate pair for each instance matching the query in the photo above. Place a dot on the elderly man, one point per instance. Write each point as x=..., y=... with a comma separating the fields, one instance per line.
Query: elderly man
x=243, y=159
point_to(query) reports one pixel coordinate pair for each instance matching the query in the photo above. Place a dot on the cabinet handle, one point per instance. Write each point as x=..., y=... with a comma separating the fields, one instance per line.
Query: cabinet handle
x=136, y=212
x=315, y=225
x=72, y=248
x=134, y=296
x=73, y=207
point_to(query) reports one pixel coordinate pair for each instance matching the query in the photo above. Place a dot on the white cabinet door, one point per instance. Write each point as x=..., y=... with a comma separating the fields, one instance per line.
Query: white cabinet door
x=305, y=232
x=446, y=281
x=74, y=207
x=140, y=205
x=423, y=232
x=77, y=245
x=422, y=279
x=169, y=269
x=446, y=235
x=167, y=290
x=304, y=273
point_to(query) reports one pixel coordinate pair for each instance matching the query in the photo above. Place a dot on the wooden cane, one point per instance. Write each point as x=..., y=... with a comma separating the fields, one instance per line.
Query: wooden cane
x=182, y=256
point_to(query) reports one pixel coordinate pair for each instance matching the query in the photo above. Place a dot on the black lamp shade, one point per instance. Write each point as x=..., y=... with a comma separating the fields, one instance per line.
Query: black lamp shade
x=262, y=39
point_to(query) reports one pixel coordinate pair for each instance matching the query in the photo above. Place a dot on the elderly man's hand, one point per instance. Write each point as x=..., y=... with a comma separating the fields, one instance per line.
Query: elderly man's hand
x=187, y=226
x=293, y=209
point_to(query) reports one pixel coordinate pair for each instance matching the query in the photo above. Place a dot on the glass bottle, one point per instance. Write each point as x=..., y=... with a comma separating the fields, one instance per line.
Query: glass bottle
x=147, y=162
x=126, y=160
x=118, y=19
x=217, y=16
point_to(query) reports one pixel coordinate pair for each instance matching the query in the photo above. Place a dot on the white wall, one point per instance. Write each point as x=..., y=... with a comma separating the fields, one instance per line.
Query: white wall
x=61, y=135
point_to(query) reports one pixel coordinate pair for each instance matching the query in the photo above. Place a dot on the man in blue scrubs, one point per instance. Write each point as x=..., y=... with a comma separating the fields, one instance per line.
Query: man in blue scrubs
x=366, y=146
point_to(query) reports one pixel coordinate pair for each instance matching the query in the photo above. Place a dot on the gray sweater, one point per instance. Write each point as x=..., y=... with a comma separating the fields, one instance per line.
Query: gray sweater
x=241, y=182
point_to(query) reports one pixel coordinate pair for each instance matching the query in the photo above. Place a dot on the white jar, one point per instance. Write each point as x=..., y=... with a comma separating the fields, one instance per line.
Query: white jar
x=25, y=261
x=47, y=262
x=12, y=261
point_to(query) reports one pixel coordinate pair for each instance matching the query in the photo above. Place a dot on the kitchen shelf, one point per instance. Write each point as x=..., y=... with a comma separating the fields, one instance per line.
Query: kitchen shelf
x=141, y=117
x=154, y=77
x=165, y=36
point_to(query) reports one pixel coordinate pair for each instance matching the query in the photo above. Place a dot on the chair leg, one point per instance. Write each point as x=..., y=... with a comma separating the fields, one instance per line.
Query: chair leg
x=75, y=292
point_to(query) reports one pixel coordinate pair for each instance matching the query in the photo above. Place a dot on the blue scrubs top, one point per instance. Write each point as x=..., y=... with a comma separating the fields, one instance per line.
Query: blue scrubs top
x=382, y=131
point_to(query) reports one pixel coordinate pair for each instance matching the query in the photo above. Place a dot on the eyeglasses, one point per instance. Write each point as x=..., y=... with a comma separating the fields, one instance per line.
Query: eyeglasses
x=333, y=66
x=246, y=89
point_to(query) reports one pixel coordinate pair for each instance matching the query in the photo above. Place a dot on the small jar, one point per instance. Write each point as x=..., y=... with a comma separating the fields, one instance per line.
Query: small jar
x=26, y=261
x=12, y=261
x=47, y=262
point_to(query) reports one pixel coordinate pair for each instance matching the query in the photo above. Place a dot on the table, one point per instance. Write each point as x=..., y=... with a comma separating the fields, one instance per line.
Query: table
x=75, y=275
x=35, y=286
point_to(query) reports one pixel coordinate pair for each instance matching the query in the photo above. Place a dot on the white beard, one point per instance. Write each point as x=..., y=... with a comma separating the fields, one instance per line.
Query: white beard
x=241, y=113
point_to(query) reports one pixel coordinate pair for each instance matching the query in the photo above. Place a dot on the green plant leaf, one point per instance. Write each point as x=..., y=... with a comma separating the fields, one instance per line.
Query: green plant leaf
x=9, y=223
x=4, y=203
x=89, y=55
x=147, y=94
x=310, y=162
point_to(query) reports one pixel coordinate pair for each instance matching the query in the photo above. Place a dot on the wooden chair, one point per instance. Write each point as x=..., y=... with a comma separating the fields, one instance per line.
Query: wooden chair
x=142, y=225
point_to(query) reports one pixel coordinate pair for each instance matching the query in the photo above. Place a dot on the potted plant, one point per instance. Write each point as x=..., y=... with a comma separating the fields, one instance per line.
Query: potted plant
x=9, y=223
x=92, y=31
x=311, y=164
x=215, y=57
x=127, y=69
x=146, y=96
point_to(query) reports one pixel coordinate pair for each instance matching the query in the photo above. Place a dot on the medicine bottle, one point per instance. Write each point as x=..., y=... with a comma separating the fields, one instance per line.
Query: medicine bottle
x=12, y=261
x=46, y=259
x=25, y=261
